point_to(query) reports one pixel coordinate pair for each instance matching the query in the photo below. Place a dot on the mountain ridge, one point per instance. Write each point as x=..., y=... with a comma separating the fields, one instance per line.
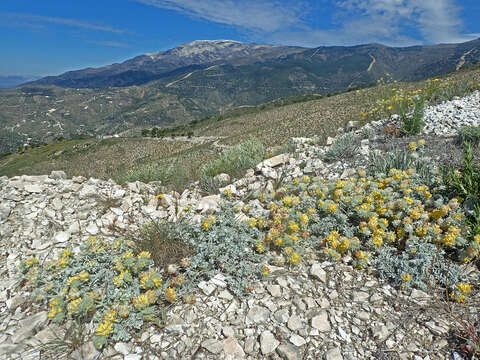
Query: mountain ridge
x=212, y=84
x=153, y=66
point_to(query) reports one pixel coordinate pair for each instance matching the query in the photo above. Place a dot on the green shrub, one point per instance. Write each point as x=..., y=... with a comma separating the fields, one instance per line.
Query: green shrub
x=413, y=124
x=176, y=176
x=237, y=159
x=465, y=184
x=367, y=132
x=209, y=184
x=469, y=134
x=344, y=146
x=107, y=285
x=149, y=172
x=406, y=159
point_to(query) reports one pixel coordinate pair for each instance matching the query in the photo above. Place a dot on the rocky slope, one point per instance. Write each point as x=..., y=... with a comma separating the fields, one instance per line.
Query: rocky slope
x=319, y=310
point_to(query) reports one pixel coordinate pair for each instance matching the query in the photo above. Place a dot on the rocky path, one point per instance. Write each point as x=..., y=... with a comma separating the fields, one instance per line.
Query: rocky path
x=198, y=140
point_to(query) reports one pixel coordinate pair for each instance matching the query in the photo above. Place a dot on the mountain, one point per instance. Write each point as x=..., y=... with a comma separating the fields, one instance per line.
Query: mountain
x=354, y=65
x=15, y=80
x=205, y=78
x=187, y=57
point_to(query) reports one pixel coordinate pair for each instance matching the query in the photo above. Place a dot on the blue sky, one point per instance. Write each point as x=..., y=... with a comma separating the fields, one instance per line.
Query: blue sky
x=53, y=36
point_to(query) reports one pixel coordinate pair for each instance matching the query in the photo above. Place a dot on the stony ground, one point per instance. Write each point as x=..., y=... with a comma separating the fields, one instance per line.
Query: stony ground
x=318, y=310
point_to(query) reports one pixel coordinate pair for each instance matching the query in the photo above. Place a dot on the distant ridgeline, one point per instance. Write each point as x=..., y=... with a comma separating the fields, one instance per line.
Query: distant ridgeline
x=207, y=78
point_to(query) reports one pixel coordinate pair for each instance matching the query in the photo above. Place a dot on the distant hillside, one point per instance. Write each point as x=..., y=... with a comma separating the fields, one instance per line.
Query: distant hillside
x=206, y=78
x=322, y=68
x=15, y=80
x=180, y=60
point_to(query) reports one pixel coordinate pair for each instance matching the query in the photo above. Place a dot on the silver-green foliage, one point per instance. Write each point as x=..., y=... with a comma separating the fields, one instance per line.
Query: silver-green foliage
x=100, y=278
x=228, y=247
x=424, y=262
x=344, y=146
x=235, y=160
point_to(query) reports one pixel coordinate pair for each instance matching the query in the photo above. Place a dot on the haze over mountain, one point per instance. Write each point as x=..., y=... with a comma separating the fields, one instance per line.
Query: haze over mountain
x=15, y=80
x=205, y=78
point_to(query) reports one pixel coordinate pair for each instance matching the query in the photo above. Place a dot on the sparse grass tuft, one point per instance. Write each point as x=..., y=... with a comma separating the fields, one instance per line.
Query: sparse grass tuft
x=159, y=239
x=406, y=159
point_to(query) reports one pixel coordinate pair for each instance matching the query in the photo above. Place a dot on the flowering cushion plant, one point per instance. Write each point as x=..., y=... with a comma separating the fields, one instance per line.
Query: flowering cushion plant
x=109, y=285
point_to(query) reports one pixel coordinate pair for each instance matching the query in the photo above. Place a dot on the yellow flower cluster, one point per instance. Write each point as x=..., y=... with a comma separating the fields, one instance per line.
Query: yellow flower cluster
x=391, y=209
x=123, y=278
x=461, y=291
x=82, y=276
x=72, y=307
x=105, y=328
x=150, y=280
x=56, y=307
x=207, y=223
x=144, y=300
x=31, y=262
x=170, y=294
x=64, y=259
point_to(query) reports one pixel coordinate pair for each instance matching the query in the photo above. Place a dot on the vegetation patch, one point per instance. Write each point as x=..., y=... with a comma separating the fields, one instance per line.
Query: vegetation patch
x=109, y=286
x=344, y=146
x=469, y=134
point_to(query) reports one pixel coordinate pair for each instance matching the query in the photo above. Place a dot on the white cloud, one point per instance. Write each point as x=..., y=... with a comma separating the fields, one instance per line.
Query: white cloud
x=438, y=21
x=358, y=21
x=254, y=15
x=36, y=21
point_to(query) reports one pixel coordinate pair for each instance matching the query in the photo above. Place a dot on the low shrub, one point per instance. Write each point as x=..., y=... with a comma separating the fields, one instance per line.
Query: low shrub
x=469, y=134
x=378, y=220
x=109, y=286
x=223, y=244
x=237, y=159
x=465, y=184
x=413, y=123
x=344, y=146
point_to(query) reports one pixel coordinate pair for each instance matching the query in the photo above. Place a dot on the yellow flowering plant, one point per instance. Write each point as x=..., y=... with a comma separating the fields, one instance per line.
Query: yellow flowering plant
x=100, y=289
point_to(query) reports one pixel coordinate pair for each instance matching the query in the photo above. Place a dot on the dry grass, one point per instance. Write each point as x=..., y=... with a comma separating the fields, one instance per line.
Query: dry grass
x=116, y=158
x=276, y=126
x=90, y=158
